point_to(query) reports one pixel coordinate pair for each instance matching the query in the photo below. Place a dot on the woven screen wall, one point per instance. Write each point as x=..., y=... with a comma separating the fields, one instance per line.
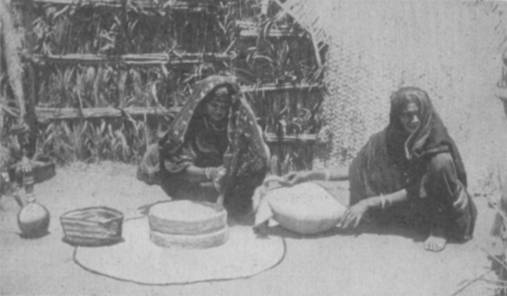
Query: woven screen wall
x=452, y=49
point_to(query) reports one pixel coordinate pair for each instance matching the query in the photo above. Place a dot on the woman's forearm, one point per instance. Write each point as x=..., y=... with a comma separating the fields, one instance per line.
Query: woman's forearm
x=385, y=201
x=333, y=174
x=195, y=174
x=397, y=197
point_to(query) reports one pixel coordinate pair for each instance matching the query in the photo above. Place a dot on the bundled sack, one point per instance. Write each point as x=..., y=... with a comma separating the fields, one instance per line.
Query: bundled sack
x=305, y=208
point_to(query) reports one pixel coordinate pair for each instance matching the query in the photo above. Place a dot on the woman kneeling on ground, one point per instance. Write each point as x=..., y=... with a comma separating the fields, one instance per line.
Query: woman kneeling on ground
x=214, y=147
x=413, y=167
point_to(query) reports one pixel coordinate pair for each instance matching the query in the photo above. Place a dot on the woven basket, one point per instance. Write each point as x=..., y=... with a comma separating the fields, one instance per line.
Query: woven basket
x=94, y=226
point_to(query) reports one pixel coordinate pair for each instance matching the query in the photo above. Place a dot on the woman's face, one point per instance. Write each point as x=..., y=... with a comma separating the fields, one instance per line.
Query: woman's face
x=218, y=107
x=409, y=117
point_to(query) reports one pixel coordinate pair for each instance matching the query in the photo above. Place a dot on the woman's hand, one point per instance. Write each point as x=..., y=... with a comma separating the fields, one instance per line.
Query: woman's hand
x=216, y=175
x=353, y=215
x=25, y=165
x=294, y=178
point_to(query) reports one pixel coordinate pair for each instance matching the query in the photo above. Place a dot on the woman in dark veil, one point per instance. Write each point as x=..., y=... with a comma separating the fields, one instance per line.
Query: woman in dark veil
x=412, y=167
x=213, y=148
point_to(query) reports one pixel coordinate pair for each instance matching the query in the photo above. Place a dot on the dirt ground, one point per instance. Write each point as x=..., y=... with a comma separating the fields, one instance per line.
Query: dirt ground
x=392, y=263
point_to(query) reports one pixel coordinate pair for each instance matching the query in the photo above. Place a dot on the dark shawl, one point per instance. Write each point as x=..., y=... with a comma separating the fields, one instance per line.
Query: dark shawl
x=246, y=155
x=391, y=160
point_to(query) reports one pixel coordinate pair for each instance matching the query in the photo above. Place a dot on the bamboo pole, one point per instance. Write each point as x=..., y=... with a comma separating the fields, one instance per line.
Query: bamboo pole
x=272, y=87
x=45, y=114
x=173, y=5
x=250, y=29
x=299, y=138
x=150, y=59
x=3, y=100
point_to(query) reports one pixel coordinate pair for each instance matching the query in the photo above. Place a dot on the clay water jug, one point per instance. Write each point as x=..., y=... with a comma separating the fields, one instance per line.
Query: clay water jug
x=33, y=218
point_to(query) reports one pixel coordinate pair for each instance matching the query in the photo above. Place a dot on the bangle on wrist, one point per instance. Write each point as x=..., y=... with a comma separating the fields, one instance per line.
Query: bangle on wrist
x=383, y=202
x=218, y=178
x=216, y=185
x=207, y=172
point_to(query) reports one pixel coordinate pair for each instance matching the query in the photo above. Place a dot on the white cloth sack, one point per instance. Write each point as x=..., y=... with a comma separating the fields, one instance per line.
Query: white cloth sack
x=305, y=208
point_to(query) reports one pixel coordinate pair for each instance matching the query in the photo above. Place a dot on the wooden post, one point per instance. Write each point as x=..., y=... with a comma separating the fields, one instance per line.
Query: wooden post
x=3, y=99
x=12, y=43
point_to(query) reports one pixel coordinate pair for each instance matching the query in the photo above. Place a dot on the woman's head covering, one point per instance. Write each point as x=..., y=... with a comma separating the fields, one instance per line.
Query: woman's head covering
x=241, y=117
x=431, y=133
x=221, y=92
x=201, y=91
x=430, y=138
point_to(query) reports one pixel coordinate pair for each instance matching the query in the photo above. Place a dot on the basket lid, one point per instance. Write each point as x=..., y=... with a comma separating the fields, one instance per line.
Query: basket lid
x=186, y=210
x=93, y=214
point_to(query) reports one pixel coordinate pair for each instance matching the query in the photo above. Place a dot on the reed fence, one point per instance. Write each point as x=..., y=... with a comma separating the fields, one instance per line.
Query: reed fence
x=104, y=78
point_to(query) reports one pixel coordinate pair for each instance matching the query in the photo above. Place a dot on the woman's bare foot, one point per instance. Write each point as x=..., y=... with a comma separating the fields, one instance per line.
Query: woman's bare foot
x=436, y=241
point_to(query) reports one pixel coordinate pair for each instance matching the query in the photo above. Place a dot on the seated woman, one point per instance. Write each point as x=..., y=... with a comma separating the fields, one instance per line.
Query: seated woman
x=412, y=164
x=214, y=147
